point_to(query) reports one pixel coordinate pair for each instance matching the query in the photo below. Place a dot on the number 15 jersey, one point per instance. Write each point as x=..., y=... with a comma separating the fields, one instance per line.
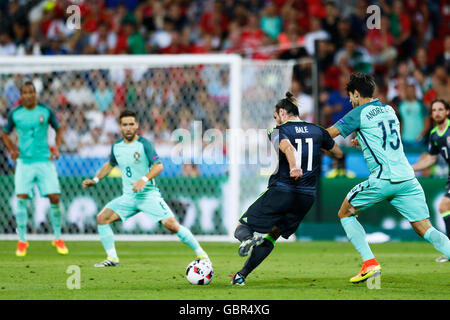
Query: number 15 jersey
x=378, y=132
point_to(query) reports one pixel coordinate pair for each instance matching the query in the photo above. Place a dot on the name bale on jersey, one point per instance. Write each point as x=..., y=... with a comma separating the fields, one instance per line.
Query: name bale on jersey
x=375, y=112
x=301, y=130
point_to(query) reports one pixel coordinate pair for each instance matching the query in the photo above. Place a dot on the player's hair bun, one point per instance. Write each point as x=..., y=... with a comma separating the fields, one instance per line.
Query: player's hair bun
x=289, y=95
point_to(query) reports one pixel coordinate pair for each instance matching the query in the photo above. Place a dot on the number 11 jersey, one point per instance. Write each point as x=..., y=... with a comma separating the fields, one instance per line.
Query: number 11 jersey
x=308, y=139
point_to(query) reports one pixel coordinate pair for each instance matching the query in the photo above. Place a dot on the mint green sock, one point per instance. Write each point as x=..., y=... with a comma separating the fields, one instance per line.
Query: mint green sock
x=357, y=236
x=55, y=220
x=188, y=238
x=22, y=218
x=438, y=240
x=107, y=237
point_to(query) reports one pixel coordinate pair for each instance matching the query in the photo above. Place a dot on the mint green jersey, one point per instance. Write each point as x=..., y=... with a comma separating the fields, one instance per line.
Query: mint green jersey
x=378, y=132
x=32, y=130
x=134, y=161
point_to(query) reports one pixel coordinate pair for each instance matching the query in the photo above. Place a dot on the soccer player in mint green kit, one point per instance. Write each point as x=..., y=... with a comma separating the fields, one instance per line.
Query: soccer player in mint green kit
x=139, y=165
x=391, y=176
x=34, y=163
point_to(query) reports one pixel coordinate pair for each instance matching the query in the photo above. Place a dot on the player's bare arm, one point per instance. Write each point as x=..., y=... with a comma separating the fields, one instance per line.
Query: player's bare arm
x=333, y=131
x=104, y=171
x=288, y=149
x=425, y=162
x=154, y=171
x=335, y=152
x=12, y=149
x=57, y=147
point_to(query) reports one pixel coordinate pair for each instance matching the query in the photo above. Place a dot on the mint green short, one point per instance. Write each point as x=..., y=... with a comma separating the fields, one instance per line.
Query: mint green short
x=151, y=203
x=43, y=174
x=406, y=196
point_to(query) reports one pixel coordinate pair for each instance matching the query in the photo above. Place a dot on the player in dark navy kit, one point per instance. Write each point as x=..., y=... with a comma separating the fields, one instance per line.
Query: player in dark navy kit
x=279, y=210
x=439, y=144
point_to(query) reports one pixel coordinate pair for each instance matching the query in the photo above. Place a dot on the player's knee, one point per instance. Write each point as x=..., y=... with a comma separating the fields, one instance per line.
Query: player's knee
x=54, y=198
x=101, y=219
x=171, y=224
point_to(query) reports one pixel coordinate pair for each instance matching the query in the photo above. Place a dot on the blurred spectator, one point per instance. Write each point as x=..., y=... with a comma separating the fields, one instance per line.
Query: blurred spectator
x=102, y=41
x=292, y=43
x=79, y=95
x=421, y=61
x=413, y=116
x=397, y=82
x=94, y=144
x=331, y=21
x=316, y=32
x=270, y=22
x=103, y=96
x=55, y=47
x=252, y=35
x=358, y=20
x=380, y=45
x=355, y=56
x=305, y=101
x=444, y=58
x=7, y=46
x=338, y=104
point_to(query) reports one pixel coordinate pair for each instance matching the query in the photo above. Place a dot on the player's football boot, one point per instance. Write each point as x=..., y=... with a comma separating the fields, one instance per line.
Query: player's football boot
x=367, y=271
x=238, y=280
x=22, y=248
x=109, y=262
x=246, y=246
x=60, y=246
x=442, y=259
x=204, y=257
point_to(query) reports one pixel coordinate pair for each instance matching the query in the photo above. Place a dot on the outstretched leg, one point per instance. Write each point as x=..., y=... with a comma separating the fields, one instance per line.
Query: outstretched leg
x=258, y=254
x=357, y=236
x=439, y=240
x=185, y=235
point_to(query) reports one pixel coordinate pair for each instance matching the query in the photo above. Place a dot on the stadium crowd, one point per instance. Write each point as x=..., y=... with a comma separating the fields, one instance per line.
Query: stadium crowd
x=409, y=56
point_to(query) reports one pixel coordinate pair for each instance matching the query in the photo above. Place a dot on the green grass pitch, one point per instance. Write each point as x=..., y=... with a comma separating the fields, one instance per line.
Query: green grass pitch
x=156, y=271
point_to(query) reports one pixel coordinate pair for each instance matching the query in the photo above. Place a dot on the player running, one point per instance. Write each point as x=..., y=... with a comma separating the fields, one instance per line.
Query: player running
x=391, y=176
x=34, y=163
x=139, y=165
x=291, y=190
x=439, y=144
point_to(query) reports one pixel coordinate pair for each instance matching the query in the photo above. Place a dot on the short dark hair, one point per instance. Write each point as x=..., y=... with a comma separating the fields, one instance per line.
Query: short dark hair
x=364, y=83
x=445, y=103
x=127, y=113
x=289, y=104
x=27, y=83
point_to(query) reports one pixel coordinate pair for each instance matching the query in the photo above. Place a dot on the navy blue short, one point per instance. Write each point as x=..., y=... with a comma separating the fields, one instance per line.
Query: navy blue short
x=281, y=208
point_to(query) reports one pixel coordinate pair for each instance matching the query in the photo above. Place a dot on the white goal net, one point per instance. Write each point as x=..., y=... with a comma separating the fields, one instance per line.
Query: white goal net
x=207, y=116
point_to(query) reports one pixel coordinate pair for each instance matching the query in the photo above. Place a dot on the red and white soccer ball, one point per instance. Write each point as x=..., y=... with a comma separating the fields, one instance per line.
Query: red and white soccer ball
x=199, y=272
